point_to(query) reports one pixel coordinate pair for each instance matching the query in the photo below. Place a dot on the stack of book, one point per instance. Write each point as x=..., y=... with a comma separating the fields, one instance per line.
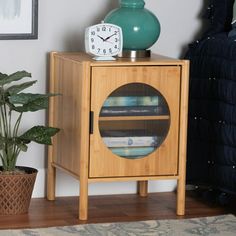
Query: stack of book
x=131, y=144
x=132, y=106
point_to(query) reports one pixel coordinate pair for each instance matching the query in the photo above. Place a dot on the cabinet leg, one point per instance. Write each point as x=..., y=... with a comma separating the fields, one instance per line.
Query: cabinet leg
x=83, y=201
x=180, y=204
x=51, y=182
x=143, y=188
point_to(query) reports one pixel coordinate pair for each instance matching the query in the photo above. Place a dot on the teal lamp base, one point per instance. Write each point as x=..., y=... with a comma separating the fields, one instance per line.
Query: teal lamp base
x=140, y=27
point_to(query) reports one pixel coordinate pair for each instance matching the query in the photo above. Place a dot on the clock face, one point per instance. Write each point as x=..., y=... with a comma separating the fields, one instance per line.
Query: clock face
x=104, y=40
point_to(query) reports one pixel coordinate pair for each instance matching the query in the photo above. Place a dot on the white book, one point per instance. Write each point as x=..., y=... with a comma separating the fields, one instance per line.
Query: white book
x=136, y=141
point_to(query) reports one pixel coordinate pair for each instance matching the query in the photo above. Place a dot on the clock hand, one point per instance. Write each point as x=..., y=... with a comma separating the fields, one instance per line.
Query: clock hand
x=101, y=38
x=109, y=37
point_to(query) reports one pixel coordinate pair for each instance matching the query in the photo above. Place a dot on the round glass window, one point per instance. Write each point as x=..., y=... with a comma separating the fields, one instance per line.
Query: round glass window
x=134, y=120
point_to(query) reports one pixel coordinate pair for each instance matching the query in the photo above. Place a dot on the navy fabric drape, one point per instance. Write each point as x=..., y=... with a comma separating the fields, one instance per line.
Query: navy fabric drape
x=211, y=154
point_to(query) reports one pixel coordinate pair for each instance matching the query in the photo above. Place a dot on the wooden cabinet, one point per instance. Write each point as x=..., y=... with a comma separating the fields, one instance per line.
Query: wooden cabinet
x=120, y=121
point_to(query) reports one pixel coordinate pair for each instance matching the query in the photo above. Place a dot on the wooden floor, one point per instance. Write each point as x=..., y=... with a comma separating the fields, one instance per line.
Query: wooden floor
x=113, y=208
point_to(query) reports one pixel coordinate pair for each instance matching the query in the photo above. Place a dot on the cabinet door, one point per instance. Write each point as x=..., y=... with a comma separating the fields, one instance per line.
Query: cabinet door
x=136, y=120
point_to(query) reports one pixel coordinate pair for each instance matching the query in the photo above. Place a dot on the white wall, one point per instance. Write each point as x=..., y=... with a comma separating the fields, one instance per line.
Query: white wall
x=61, y=28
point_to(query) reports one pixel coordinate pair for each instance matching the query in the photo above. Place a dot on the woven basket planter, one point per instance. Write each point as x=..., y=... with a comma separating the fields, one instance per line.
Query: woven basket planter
x=16, y=191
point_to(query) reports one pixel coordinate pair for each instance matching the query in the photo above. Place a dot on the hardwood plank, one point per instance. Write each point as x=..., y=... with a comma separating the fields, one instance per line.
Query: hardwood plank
x=112, y=208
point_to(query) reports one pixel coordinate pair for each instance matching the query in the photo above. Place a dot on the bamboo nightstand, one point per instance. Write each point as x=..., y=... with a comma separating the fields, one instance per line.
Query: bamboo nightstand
x=123, y=120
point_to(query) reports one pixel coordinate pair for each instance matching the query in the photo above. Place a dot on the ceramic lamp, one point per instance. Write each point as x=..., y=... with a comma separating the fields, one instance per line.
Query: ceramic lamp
x=140, y=27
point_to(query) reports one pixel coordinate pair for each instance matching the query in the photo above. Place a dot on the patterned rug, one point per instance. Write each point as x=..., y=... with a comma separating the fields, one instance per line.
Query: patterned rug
x=224, y=225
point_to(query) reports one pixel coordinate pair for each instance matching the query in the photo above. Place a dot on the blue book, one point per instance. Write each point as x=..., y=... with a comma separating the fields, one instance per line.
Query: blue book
x=134, y=152
x=132, y=101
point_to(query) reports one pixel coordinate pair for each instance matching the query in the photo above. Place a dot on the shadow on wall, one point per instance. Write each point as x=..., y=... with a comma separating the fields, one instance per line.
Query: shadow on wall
x=204, y=25
x=205, y=22
x=71, y=41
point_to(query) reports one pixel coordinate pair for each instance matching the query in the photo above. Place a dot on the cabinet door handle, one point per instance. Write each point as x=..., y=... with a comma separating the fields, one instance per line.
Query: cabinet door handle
x=91, y=123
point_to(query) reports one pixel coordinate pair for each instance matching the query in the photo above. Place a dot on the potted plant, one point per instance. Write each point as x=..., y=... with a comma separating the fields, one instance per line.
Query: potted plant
x=16, y=183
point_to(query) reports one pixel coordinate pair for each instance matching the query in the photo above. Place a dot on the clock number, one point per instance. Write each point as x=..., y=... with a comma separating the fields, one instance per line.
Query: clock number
x=92, y=40
x=93, y=33
x=116, y=40
x=93, y=47
x=99, y=49
x=110, y=50
x=103, y=28
x=98, y=29
x=115, y=46
x=104, y=51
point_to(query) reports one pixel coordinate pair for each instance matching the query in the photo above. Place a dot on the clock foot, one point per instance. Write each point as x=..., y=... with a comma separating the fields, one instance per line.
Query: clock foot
x=104, y=58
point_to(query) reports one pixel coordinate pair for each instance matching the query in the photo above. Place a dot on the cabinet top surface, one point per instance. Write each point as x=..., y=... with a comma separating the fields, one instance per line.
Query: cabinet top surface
x=155, y=59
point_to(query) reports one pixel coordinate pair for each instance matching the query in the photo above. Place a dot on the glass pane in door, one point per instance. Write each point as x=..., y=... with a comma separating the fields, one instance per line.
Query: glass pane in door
x=134, y=120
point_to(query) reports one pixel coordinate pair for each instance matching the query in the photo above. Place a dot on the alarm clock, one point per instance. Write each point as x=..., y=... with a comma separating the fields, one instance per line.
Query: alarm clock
x=104, y=41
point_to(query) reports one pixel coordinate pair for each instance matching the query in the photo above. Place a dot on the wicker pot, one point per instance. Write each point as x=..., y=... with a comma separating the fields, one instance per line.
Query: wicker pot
x=16, y=191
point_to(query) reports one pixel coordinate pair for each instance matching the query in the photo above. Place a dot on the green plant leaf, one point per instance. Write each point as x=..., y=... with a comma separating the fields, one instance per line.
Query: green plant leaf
x=2, y=76
x=23, y=147
x=21, y=144
x=18, y=88
x=39, y=134
x=14, y=77
x=25, y=98
x=29, y=101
